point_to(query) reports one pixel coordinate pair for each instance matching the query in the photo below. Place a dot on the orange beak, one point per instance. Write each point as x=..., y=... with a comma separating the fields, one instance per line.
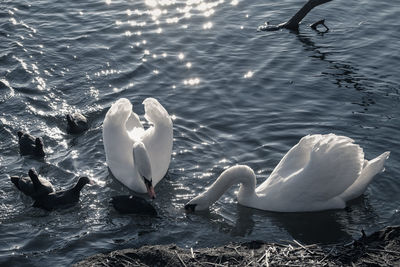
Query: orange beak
x=150, y=189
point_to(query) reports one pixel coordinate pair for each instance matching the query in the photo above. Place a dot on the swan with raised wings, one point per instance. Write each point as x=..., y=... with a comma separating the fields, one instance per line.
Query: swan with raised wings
x=321, y=172
x=138, y=158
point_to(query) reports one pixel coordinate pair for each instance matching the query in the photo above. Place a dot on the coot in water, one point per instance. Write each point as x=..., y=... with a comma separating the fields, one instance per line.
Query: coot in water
x=33, y=186
x=77, y=123
x=131, y=204
x=63, y=198
x=29, y=145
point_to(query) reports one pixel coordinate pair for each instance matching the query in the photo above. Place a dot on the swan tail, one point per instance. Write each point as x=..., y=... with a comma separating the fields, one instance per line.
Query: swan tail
x=370, y=169
x=155, y=112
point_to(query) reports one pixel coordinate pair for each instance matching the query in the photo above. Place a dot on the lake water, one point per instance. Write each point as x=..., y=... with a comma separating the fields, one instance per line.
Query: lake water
x=237, y=96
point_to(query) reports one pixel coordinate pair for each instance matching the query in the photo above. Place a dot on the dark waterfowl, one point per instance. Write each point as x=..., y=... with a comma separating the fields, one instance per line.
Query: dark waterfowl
x=33, y=186
x=29, y=145
x=77, y=123
x=131, y=204
x=63, y=198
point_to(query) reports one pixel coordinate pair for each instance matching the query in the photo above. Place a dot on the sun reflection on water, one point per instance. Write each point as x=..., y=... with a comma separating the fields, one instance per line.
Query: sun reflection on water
x=165, y=14
x=192, y=81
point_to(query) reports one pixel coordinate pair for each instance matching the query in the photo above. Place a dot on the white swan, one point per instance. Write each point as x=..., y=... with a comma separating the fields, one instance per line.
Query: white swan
x=321, y=172
x=138, y=158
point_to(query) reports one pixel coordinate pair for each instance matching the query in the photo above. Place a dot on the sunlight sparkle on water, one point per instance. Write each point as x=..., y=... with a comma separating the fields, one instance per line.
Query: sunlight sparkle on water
x=156, y=13
x=249, y=74
x=207, y=25
x=74, y=154
x=193, y=81
x=151, y=3
x=172, y=20
x=13, y=21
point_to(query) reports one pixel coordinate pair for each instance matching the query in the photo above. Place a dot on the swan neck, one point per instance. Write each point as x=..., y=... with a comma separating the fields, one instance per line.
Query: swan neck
x=242, y=175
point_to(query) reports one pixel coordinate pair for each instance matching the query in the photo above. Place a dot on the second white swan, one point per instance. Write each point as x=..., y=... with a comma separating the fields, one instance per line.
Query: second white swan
x=321, y=172
x=138, y=158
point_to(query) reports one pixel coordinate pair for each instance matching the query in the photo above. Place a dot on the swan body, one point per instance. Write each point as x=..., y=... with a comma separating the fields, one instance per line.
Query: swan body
x=138, y=158
x=321, y=172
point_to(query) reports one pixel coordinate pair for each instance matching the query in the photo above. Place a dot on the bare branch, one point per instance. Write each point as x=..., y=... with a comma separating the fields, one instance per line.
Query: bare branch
x=293, y=23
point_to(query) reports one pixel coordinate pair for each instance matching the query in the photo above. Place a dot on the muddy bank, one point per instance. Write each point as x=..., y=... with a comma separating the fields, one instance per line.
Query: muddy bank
x=379, y=249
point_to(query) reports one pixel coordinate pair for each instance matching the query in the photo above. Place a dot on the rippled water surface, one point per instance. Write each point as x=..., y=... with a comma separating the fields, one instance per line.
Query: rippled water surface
x=237, y=96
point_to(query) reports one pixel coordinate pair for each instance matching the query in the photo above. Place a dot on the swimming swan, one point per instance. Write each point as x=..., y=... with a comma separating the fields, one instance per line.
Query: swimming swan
x=138, y=158
x=321, y=172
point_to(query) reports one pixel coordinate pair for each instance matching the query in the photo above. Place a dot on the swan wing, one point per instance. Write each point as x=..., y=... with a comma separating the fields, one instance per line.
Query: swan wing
x=157, y=138
x=134, y=127
x=118, y=144
x=155, y=113
x=293, y=161
x=334, y=163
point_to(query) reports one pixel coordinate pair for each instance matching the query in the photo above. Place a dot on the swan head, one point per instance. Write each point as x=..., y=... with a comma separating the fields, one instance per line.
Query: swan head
x=239, y=174
x=149, y=187
x=198, y=203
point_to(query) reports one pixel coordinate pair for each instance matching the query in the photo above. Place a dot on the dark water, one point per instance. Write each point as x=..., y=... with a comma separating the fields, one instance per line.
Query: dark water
x=236, y=96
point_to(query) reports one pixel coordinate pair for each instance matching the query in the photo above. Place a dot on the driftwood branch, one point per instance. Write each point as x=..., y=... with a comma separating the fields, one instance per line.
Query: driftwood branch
x=320, y=22
x=293, y=23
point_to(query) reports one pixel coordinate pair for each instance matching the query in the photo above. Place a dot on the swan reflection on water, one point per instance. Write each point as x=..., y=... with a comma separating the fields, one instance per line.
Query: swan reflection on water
x=325, y=227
